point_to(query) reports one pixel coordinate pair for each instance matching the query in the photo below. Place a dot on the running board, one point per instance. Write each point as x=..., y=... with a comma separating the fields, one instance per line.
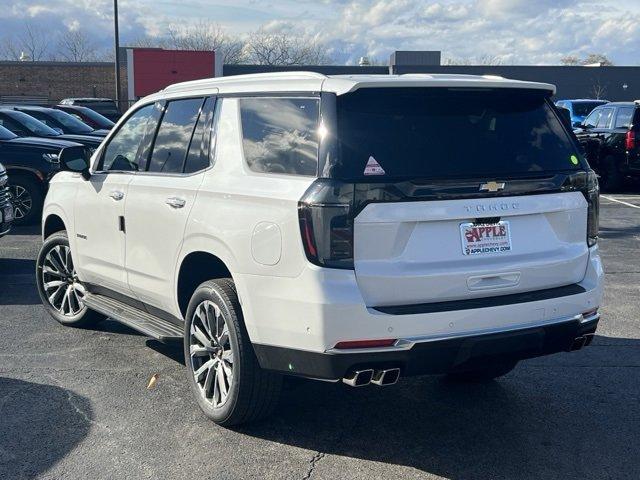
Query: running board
x=135, y=318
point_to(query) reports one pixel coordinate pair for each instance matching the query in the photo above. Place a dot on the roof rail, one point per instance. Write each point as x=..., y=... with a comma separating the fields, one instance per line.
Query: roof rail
x=296, y=75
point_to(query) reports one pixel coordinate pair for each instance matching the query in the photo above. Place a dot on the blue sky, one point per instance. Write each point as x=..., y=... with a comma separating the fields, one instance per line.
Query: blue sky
x=515, y=31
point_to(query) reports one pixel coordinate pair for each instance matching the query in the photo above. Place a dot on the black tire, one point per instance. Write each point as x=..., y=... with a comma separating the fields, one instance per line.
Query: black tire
x=253, y=393
x=28, y=198
x=611, y=179
x=484, y=374
x=83, y=317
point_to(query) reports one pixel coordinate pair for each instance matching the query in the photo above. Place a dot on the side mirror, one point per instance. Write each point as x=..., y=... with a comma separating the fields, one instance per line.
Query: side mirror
x=578, y=125
x=75, y=159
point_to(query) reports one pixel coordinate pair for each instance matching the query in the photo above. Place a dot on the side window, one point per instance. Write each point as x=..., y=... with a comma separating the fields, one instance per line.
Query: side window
x=280, y=135
x=121, y=152
x=605, y=119
x=12, y=125
x=174, y=135
x=592, y=119
x=623, y=119
x=198, y=155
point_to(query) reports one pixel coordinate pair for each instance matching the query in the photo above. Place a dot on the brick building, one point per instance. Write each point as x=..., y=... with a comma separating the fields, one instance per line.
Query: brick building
x=49, y=82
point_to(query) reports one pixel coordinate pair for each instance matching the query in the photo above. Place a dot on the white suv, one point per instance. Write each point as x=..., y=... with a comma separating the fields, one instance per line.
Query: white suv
x=342, y=228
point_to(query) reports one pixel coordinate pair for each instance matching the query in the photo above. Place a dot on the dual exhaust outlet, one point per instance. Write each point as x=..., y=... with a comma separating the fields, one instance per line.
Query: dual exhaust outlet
x=360, y=378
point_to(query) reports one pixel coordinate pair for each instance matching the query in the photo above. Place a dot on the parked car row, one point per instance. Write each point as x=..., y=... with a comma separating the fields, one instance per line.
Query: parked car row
x=31, y=139
x=608, y=133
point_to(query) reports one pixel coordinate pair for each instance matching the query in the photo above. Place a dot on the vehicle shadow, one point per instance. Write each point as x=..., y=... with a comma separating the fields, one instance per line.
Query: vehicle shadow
x=26, y=229
x=39, y=426
x=567, y=416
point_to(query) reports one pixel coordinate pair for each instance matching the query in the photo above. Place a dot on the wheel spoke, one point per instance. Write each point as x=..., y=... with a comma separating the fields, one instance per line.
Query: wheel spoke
x=223, y=339
x=56, y=264
x=53, y=284
x=208, y=382
x=198, y=351
x=51, y=271
x=200, y=336
x=222, y=385
x=54, y=296
x=203, y=368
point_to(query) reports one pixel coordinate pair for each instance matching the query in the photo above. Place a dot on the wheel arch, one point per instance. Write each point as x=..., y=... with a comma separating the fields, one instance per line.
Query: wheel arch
x=198, y=266
x=26, y=172
x=51, y=224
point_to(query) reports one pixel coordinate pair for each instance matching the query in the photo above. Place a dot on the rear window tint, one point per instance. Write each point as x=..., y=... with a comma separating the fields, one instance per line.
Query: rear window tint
x=280, y=135
x=426, y=133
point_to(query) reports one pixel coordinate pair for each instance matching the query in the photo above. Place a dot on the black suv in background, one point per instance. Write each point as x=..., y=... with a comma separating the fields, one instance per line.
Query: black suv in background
x=24, y=125
x=59, y=120
x=30, y=163
x=6, y=209
x=611, y=142
x=104, y=106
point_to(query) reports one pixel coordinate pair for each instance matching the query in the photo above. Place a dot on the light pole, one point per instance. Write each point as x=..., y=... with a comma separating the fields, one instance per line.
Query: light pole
x=117, y=47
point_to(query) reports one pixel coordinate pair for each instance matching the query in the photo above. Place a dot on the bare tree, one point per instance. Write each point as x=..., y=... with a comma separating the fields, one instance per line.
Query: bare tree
x=32, y=44
x=598, y=90
x=600, y=58
x=206, y=36
x=591, y=59
x=570, y=60
x=484, y=59
x=76, y=46
x=282, y=49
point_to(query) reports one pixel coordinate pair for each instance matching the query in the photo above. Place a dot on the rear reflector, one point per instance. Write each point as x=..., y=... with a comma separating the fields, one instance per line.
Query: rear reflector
x=387, y=342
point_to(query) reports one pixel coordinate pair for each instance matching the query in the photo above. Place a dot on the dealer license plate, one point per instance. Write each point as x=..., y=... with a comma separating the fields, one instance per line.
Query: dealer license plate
x=484, y=239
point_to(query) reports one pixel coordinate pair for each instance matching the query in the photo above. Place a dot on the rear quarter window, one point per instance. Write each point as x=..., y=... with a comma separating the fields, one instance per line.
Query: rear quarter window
x=280, y=135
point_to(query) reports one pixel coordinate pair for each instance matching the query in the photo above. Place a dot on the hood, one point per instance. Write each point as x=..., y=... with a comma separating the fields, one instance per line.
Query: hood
x=86, y=140
x=42, y=142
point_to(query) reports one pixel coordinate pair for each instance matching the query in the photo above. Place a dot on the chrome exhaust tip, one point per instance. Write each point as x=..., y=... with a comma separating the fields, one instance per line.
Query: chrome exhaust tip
x=386, y=377
x=359, y=378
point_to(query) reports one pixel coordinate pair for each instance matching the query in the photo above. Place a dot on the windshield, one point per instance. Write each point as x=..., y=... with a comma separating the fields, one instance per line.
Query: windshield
x=35, y=126
x=69, y=122
x=101, y=120
x=426, y=133
x=582, y=109
x=6, y=134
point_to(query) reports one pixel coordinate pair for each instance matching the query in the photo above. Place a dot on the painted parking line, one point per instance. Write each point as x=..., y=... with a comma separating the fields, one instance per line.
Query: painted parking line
x=611, y=199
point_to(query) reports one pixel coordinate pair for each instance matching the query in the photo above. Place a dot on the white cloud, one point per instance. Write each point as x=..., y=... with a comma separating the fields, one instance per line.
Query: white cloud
x=515, y=31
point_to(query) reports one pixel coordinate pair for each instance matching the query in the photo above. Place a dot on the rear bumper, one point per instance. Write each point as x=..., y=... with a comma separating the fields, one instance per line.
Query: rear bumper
x=435, y=356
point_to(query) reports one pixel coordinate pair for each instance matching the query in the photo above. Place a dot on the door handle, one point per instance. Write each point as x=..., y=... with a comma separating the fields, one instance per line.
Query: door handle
x=116, y=195
x=176, y=202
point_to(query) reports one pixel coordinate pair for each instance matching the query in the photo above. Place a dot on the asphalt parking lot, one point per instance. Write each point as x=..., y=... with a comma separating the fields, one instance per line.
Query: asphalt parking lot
x=74, y=403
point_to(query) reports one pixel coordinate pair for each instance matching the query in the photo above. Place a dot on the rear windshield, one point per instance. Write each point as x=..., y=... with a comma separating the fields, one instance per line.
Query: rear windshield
x=427, y=133
x=582, y=109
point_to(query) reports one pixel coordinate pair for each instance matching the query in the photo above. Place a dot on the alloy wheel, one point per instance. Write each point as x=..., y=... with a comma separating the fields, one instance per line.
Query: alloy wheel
x=211, y=354
x=21, y=200
x=60, y=281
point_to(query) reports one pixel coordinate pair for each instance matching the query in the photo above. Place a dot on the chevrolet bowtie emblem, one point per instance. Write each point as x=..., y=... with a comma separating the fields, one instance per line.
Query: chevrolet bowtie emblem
x=492, y=186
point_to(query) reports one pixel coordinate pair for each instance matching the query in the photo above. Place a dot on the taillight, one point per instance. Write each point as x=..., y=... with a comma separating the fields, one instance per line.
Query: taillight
x=326, y=224
x=592, y=195
x=630, y=140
